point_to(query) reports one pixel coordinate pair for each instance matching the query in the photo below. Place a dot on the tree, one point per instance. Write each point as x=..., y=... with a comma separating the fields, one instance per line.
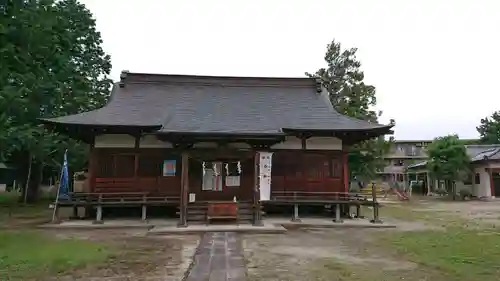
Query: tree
x=448, y=160
x=349, y=95
x=489, y=130
x=52, y=65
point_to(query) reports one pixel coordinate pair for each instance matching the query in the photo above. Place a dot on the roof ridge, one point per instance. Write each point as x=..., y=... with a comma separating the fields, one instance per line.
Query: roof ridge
x=127, y=77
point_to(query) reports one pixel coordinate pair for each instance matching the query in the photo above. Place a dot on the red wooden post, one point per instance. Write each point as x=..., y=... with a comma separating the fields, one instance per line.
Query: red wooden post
x=345, y=170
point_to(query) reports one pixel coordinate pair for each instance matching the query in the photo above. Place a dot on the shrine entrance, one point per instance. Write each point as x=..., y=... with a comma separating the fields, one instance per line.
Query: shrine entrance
x=221, y=180
x=221, y=189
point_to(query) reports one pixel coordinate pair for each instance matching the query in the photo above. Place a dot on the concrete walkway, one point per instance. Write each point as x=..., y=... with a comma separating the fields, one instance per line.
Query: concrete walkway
x=219, y=257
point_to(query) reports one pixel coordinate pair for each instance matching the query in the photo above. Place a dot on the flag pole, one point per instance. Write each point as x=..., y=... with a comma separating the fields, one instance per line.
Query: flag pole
x=58, y=190
x=57, y=198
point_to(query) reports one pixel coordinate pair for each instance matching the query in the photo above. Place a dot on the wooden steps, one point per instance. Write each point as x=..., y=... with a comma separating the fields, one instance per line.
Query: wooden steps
x=197, y=213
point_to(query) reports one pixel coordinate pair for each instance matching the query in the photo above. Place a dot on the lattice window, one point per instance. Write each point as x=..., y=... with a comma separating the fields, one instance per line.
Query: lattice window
x=335, y=170
x=150, y=166
x=124, y=165
x=105, y=165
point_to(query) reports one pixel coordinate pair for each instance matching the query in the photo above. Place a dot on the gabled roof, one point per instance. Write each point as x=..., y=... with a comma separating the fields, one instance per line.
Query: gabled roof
x=476, y=152
x=483, y=152
x=221, y=105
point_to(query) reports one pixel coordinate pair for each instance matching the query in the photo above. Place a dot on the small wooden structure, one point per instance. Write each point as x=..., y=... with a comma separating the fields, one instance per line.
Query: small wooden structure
x=205, y=143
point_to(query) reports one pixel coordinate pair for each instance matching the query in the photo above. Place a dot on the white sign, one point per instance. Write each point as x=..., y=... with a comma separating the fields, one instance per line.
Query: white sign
x=192, y=197
x=265, y=168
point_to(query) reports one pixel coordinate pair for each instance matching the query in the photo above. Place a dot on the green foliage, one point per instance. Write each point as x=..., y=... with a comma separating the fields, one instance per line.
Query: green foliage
x=447, y=158
x=52, y=64
x=343, y=79
x=489, y=130
x=367, y=157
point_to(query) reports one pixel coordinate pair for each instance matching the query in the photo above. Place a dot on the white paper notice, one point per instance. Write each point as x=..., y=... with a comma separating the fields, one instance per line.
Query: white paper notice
x=265, y=168
x=192, y=197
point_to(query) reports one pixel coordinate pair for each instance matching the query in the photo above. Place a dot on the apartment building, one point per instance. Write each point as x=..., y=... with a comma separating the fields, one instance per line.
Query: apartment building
x=402, y=154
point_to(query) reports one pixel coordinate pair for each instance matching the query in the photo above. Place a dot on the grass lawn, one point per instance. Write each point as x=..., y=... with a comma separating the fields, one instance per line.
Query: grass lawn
x=458, y=253
x=26, y=254
x=462, y=249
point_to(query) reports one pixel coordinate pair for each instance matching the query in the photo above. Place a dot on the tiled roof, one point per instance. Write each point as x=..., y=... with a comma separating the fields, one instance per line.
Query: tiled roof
x=206, y=104
x=483, y=152
x=476, y=152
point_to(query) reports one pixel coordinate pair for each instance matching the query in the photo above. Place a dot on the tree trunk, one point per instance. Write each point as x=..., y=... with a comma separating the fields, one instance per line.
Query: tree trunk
x=31, y=186
x=26, y=185
x=34, y=183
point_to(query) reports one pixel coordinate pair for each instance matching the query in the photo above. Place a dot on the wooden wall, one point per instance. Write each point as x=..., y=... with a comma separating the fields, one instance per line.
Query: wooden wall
x=140, y=170
x=317, y=171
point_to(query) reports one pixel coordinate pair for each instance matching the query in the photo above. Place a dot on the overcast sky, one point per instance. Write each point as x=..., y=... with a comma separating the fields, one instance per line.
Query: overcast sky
x=434, y=63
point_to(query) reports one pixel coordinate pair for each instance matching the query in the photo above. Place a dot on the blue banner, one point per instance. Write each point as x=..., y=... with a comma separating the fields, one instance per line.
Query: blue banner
x=64, y=182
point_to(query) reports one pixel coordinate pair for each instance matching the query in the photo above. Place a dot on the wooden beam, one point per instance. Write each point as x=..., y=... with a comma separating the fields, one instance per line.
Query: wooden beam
x=184, y=189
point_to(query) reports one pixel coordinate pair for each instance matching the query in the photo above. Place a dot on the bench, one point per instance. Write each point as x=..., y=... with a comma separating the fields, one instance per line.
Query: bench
x=222, y=211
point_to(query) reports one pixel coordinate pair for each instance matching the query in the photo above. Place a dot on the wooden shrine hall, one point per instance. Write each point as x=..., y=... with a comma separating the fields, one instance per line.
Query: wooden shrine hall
x=215, y=147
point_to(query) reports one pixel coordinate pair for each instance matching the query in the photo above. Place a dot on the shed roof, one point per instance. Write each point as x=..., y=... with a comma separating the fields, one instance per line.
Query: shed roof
x=224, y=105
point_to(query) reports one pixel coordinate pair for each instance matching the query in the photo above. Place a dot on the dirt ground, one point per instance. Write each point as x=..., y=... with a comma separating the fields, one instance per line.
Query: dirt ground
x=355, y=254
x=305, y=254
x=472, y=211
x=140, y=257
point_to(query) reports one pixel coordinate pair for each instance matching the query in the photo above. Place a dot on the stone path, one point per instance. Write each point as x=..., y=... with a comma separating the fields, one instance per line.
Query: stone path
x=219, y=257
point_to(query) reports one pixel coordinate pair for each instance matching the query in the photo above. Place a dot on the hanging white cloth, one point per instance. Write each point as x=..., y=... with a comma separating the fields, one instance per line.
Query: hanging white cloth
x=265, y=171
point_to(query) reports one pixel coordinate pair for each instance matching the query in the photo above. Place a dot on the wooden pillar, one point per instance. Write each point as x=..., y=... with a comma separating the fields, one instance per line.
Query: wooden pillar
x=257, y=220
x=136, y=151
x=91, y=174
x=136, y=161
x=359, y=213
x=92, y=165
x=184, y=189
x=376, y=218
x=98, y=219
x=338, y=210
x=296, y=213
x=345, y=170
x=144, y=214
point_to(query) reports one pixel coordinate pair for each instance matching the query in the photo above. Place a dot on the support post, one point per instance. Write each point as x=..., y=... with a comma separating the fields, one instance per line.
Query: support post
x=92, y=166
x=184, y=189
x=98, y=219
x=144, y=214
x=359, y=214
x=257, y=221
x=345, y=170
x=75, y=213
x=337, y=214
x=295, y=217
x=376, y=218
